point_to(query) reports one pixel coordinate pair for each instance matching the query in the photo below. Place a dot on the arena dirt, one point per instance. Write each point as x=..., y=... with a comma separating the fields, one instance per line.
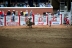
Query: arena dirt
x=37, y=37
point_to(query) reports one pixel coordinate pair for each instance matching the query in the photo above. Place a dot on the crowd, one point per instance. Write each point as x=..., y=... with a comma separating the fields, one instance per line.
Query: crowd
x=26, y=4
x=16, y=13
x=24, y=13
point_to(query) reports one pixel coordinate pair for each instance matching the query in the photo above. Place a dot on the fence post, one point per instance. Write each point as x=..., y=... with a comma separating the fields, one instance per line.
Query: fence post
x=33, y=18
x=47, y=19
x=19, y=19
x=5, y=20
x=61, y=19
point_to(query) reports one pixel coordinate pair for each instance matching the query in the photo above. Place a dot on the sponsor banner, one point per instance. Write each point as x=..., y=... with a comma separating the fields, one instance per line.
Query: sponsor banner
x=16, y=18
x=12, y=23
x=12, y=20
x=55, y=23
x=1, y=21
x=55, y=20
x=40, y=20
x=23, y=19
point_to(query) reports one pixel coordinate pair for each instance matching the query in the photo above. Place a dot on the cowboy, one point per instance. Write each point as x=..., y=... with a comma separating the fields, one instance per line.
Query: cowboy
x=29, y=23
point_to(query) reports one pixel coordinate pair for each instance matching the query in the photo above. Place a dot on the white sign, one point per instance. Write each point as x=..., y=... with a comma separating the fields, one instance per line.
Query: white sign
x=10, y=21
x=55, y=20
x=40, y=20
x=55, y=23
x=1, y=21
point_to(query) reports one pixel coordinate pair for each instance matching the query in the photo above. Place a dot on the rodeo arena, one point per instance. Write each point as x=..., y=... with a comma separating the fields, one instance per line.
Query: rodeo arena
x=36, y=24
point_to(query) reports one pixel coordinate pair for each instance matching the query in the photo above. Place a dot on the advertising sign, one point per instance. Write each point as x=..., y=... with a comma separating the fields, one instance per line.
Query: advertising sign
x=40, y=20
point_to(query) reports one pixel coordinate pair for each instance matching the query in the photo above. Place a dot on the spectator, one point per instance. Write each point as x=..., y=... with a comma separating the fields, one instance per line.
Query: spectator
x=0, y=13
x=58, y=12
x=21, y=13
x=46, y=4
x=40, y=4
x=34, y=5
x=20, y=4
x=65, y=19
x=1, y=5
x=14, y=12
x=8, y=13
x=16, y=5
x=25, y=5
x=26, y=13
x=43, y=5
x=26, y=2
x=31, y=13
x=49, y=4
x=13, y=16
x=6, y=3
x=28, y=5
x=3, y=13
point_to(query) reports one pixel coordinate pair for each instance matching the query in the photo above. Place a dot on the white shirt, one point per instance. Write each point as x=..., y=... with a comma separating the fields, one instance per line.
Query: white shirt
x=26, y=12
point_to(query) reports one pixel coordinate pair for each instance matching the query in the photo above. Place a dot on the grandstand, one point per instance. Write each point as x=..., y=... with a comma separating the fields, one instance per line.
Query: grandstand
x=34, y=3
x=42, y=7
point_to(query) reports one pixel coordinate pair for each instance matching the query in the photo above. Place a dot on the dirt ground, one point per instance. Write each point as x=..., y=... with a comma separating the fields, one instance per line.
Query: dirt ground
x=37, y=37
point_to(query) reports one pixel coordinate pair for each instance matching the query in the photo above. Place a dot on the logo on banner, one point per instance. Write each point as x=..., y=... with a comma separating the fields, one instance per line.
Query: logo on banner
x=40, y=21
x=54, y=19
x=12, y=23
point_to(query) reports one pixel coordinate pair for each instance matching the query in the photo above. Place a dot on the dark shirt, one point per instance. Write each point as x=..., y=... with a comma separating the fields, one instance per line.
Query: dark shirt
x=14, y=12
x=21, y=13
x=8, y=13
x=0, y=13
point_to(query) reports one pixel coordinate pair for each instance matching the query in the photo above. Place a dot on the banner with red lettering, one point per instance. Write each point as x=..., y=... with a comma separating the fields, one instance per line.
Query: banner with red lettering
x=55, y=20
x=40, y=20
x=12, y=20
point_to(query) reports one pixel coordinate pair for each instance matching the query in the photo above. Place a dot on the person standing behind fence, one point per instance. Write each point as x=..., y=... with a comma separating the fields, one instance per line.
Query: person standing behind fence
x=50, y=15
x=21, y=13
x=13, y=17
x=26, y=13
x=0, y=13
x=58, y=12
x=8, y=12
x=67, y=21
x=16, y=13
x=3, y=13
x=31, y=13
